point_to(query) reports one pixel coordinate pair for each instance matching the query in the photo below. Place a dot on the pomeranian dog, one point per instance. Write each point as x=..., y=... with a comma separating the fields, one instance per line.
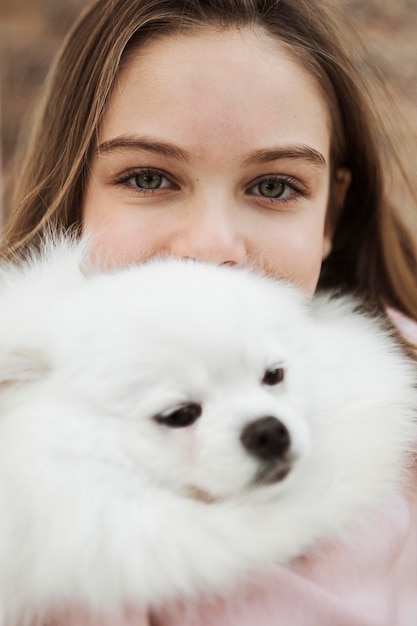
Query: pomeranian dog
x=168, y=428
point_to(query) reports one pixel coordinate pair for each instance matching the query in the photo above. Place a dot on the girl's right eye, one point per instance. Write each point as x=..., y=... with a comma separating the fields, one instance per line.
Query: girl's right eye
x=145, y=180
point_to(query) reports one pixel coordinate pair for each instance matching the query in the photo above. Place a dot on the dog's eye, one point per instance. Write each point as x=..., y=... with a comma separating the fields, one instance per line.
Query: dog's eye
x=180, y=416
x=273, y=376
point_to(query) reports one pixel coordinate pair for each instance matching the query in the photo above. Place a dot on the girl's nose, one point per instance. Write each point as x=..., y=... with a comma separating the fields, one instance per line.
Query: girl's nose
x=211, y=235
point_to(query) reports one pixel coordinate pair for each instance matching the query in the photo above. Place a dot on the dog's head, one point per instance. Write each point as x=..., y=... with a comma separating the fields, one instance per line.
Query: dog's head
x=181, y=375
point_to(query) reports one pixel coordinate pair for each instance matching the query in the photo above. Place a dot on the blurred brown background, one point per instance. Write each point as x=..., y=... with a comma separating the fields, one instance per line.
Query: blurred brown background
x=31, y=31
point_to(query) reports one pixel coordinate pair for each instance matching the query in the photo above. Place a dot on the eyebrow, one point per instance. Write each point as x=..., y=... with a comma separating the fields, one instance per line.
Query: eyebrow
x=132, y=142
x=298, y=152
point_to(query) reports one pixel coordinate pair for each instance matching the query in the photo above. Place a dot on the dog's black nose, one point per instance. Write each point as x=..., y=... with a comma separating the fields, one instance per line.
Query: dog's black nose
x=266, y=438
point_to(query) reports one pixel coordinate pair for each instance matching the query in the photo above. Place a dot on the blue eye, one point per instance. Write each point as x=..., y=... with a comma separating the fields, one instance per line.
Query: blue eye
x=271, y=188
x=277, y=188
x=145, y=180
x=148, y=180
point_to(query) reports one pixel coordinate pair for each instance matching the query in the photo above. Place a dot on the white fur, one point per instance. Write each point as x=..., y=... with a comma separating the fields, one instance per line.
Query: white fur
x=99, y=503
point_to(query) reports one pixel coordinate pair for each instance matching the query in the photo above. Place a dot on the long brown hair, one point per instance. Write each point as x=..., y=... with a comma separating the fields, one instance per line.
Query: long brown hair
x=373, y=251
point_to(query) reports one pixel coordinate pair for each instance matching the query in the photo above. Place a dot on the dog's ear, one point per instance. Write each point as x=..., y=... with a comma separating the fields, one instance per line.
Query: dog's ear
x=21, y=365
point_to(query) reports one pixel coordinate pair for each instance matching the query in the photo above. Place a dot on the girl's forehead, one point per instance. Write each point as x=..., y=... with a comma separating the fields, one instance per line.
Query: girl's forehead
x=225, y=49
x=218, y=83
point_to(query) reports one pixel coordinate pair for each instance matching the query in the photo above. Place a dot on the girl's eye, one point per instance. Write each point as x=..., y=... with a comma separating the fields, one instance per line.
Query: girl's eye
x=150, y=181
x=271, y=188
x=274, y=188
x=146, y=180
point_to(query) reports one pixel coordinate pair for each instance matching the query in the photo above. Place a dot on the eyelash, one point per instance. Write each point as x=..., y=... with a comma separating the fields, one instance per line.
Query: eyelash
x=296, y=188
x=124, y=178
x=294, y=185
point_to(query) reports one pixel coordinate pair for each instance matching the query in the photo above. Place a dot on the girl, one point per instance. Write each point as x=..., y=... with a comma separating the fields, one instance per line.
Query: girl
x=238, y=131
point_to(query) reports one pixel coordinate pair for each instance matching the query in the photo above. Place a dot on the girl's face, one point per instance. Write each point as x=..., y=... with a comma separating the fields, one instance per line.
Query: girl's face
x=215, y=146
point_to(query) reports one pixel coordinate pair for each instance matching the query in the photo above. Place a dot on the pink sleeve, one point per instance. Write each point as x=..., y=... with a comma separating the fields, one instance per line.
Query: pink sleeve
x=371, y=581
x=78, y=617
x=406, y=326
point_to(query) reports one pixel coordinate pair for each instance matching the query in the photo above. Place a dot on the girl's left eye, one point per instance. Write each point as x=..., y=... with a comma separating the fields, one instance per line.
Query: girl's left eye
x=274, y=188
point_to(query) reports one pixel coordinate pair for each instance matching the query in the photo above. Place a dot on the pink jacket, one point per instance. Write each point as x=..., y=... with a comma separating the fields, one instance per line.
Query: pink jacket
x=369, y=581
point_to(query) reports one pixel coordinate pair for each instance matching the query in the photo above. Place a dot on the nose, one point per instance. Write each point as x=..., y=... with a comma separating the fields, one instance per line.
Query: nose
x=211, y=232
x=267, y=438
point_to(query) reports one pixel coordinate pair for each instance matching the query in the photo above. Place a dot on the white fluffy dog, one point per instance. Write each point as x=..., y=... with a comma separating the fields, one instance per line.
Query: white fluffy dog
x=168, y=428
